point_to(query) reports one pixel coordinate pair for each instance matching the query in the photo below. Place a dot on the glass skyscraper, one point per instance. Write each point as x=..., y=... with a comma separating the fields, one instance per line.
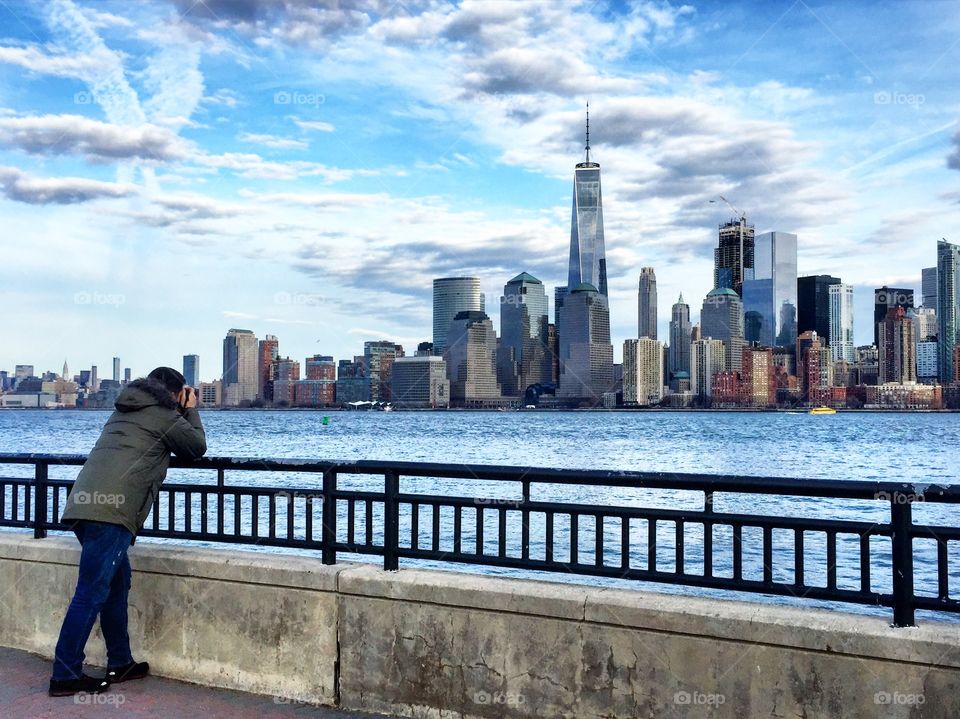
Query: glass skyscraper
x=948, y=306
x=451, y=296
x=588, y=262
x=813, y=305
x=524, y=357
x=770, y=297
x=841, y=323
x=586, y=355
x=721, y=318
x=191, y=370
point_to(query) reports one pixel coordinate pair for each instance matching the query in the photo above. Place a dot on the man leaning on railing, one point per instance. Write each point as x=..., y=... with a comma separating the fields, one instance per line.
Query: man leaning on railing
x=107, y=507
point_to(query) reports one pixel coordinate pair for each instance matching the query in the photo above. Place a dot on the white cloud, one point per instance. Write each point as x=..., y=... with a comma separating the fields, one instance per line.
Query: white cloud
x=315, y=125
x=34, y=59
x=273, y=141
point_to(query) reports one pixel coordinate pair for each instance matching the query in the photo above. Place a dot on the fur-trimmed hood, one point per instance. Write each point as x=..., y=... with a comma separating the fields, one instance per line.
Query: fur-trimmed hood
x=144, y=392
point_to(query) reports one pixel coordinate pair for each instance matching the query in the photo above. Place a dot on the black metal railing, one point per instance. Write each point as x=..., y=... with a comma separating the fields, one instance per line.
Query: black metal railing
x=525, y=531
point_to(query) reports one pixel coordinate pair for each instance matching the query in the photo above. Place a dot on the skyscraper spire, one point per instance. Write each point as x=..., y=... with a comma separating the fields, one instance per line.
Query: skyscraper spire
x=588, y=131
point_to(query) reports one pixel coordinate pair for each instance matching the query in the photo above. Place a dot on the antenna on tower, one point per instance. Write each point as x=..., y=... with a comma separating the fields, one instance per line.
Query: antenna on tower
x=588, y=131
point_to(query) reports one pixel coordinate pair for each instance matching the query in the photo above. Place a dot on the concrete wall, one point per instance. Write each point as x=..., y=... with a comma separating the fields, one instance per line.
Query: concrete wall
x=443, y=644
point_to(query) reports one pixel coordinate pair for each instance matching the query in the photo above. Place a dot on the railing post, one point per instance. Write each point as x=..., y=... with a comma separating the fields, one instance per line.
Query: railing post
x=391, y=521
x=901, y=523
x=40, y=500
x=329, y=532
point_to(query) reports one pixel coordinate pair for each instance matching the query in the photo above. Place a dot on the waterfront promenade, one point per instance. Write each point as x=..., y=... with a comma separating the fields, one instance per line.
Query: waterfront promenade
x=23, y=693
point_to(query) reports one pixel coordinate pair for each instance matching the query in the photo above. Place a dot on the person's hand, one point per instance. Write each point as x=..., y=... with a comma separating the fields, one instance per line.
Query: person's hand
x=188, y=397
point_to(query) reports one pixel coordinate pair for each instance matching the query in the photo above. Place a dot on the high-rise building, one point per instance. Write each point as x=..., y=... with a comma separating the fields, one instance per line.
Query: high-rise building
x=286, y=373
x=116, y=369
x=318, y=387
x=378, y=357
x=583, y=317
x=770, y=297
x=678, y=354
x=451, y=296
x=94, y=378
x=647, y=304
x=721, y=318
x=420, y=382
x=841, y=323
x=758, y=385
x=126, y=375
x=588, y=262
x=586, y=355
x=524, y=356
x=927, y=351
x=471, y=358
x=210, y=394
x=268, y=350
x=884, y=299
x=928, y=287
x=191, y=370
x=926, y=321
x=813, y=305
x=352, y=382
x=814, y=368
x=948, y=306
x=239, y=367
x=642, y=372
x=734, y=255
x=320, y=367
x=707, y=358
x=897, y=347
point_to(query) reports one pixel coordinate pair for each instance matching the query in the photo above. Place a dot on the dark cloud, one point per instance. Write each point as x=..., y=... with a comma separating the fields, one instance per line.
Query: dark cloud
x=20, y=187
x=953, y=159
x=98, y=141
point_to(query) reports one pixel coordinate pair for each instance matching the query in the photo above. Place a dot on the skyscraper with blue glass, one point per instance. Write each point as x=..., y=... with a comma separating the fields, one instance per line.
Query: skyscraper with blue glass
x=586, y=355
x=588, y=262
x=770, y=296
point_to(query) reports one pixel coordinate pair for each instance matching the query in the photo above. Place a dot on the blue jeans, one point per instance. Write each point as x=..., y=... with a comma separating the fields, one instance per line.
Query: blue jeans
x=102, y=588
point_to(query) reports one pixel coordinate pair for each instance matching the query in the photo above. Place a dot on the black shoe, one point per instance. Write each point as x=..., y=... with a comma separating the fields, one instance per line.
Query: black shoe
x=133, y=670
x=82, y=685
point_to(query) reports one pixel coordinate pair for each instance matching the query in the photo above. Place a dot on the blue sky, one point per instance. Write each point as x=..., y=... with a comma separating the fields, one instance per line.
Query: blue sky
x=174, y=169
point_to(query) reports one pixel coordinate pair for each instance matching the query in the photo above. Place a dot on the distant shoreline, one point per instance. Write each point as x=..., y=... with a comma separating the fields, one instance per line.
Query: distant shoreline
x=690, y=410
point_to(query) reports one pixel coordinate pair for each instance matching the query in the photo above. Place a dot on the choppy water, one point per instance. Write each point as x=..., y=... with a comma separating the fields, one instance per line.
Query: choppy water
x=871, y=446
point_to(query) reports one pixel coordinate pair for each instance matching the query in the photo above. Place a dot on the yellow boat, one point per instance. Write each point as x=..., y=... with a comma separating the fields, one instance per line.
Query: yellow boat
x=823, y=410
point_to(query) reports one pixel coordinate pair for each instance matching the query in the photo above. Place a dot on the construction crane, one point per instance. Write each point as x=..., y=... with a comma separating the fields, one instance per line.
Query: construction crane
x=738, y=213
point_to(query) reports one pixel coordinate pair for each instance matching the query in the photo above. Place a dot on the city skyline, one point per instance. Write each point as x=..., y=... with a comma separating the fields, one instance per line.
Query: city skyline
x=207, y=164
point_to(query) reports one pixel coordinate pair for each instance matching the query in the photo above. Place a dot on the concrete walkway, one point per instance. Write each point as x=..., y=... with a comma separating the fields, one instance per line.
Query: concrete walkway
x=23, y=693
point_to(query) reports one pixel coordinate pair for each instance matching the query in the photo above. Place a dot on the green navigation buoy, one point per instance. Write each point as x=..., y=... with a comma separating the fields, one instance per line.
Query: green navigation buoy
x=326, y=420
